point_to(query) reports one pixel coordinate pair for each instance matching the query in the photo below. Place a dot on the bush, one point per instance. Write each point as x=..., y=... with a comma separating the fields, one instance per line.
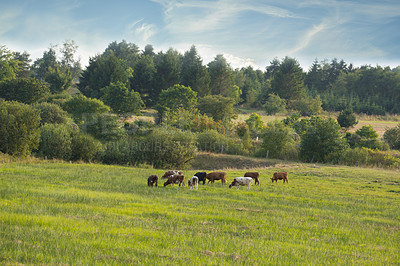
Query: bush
x=274, y=104
x=392, y=137
x=23, y=90
x=55, y=141
x=19, y=128
x=356, y=156
x=278, y=141
x=162, y=148
x=121, y=99
x=367, y=132
x=84, y=147
x=213, y=141
x=308, y=106
x=322, y=140
x=51, y=113
x=104, y=127
x=347, y=118
x=218, y=107
x=81, y=107
x=61, y=141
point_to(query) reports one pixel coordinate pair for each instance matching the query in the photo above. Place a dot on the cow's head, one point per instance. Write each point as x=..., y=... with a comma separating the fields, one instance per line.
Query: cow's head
x=234, y=182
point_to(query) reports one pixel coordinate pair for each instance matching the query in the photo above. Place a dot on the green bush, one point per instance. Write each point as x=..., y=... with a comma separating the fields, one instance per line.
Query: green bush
x=84, y=147
x=61, y=141
x=279, y=141
x=19, y=128
x=51, y=113
x=104, y=127
x=162, y=148
x=392, y=137
x=274, y=105
x=23, y=90
x=322, y=141
x=213, y=141
x=55, y=141
x=356, y=156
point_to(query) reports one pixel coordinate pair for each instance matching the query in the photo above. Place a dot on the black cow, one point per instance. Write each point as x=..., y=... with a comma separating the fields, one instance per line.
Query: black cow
x=201, y=176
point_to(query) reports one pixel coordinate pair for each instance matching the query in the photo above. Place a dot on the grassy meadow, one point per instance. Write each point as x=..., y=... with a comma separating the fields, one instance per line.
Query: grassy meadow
x=60, y=213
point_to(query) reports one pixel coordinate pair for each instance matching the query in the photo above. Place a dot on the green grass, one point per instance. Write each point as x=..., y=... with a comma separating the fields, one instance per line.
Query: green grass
x=58, y=213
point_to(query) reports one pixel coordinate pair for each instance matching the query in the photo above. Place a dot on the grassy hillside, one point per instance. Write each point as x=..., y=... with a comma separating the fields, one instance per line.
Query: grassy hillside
x=58, y=213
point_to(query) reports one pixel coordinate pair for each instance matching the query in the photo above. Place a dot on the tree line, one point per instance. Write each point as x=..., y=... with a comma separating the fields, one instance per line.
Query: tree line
x=194, y=103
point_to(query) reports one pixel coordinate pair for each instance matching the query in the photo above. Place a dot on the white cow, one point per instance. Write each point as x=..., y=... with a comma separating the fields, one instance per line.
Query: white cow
x=241, y=181
x=193, y=182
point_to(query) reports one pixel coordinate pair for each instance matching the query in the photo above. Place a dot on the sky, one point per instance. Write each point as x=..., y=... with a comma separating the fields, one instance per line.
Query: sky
x=246, y=32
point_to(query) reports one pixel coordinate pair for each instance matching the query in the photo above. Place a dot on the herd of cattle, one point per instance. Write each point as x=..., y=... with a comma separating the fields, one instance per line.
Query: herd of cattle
x=177, y=177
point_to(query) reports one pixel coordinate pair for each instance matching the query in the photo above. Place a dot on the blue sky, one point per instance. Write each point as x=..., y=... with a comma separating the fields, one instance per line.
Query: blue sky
x=245, y=32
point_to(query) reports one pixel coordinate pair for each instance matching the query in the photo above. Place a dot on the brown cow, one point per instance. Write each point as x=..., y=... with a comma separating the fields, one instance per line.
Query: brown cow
x=153, y=179
x=253, y=175
x=216, y=176
x=171, y=172
x=279, y=176
x=175, y=179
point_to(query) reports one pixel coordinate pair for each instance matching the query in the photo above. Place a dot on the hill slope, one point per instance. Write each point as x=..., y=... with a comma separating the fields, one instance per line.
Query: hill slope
x=56, y=213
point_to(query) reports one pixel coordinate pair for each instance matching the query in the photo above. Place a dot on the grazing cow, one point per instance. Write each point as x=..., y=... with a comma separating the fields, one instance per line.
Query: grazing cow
x=171, y=172
x=241, y=181
x=201, y=176
x=175, y=179
x=153, y=179
x=253, y=175
x=279, y=176
x=193, y=182
x=216, y=176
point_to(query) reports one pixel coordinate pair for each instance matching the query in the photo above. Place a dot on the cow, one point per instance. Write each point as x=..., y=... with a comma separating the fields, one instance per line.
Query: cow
x=241, y=181
x=171, y=172
x=153, y=179
x=255, y=176
x=193, y=182
x=280, y=176
x=201, y=176
x=216, y=176
x=175, y=179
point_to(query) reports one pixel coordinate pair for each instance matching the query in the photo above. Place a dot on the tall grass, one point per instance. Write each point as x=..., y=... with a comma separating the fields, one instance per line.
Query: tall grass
x=92, y=214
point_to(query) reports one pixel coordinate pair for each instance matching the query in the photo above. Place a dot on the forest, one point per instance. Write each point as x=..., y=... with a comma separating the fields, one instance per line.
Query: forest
x=52, y=107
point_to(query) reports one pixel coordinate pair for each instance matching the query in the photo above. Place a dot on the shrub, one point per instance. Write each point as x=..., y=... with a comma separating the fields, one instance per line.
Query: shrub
x=322, y=140
x=274, y=104
x=162, y=148
x=347, y=118
x=356, y=156
x=218, y=107
x=52, y=113
x=392, y=137
x=278, y=141
x=19, y=128
x=55, y=141
x=104, y=127
x=367, y=132
x=23, y=90
x=121, y=99
x=81, y=107
x=213, y=141
x=84, y=147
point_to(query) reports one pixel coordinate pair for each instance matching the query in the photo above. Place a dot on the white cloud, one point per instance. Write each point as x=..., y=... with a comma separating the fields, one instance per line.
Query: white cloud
x=142, y=32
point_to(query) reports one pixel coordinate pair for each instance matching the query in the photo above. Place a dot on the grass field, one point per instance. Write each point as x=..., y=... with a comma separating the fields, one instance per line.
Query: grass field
x=60, y=213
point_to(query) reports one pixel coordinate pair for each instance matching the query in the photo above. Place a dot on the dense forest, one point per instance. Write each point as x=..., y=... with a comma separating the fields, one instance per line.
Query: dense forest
x=78, y=112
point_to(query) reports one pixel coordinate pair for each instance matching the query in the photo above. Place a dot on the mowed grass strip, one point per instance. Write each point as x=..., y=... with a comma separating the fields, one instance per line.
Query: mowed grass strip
x=55, y=213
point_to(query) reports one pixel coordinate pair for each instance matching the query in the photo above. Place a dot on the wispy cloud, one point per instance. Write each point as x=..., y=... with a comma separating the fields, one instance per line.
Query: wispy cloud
x=141, y=31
